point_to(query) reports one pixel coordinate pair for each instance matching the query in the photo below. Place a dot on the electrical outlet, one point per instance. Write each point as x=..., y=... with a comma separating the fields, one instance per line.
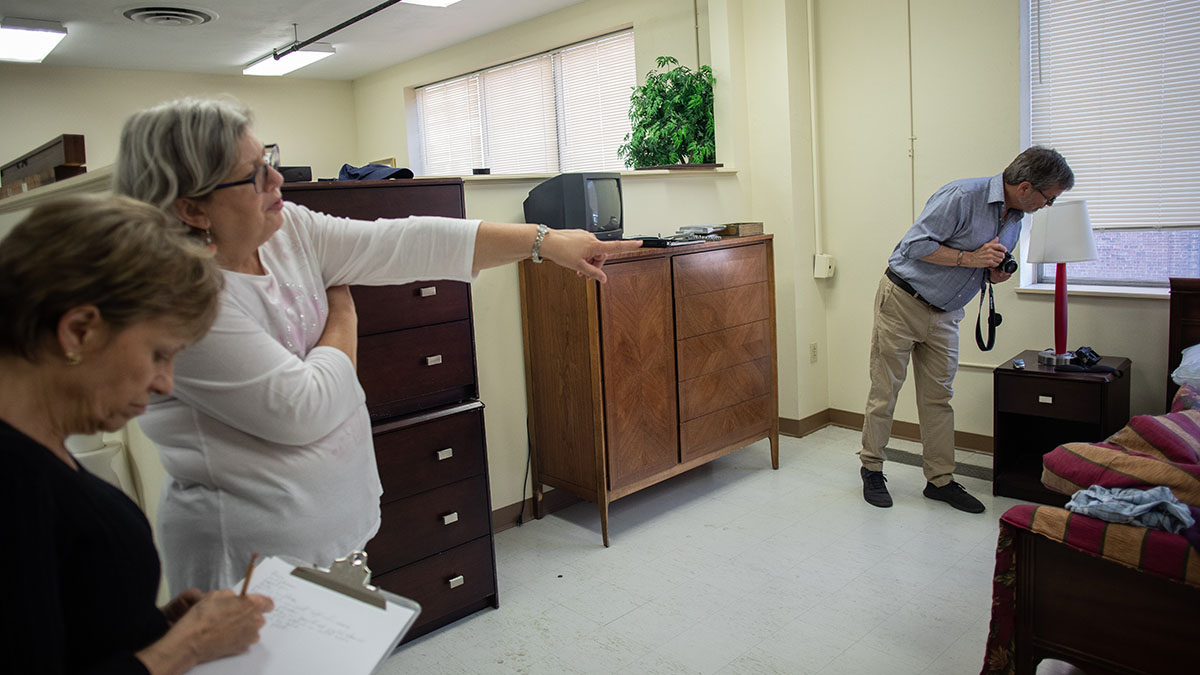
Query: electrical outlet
x=812, y=352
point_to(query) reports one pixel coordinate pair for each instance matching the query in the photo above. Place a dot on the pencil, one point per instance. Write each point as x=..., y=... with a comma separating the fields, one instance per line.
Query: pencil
x=249, y=571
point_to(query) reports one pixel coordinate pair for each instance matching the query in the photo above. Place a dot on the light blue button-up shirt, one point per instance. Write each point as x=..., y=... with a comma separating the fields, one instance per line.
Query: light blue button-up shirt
x=963, y=215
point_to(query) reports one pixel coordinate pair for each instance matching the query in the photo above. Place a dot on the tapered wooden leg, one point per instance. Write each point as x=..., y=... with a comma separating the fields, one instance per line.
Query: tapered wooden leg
x=539, y=507
x=775, y=450
x=603, y=504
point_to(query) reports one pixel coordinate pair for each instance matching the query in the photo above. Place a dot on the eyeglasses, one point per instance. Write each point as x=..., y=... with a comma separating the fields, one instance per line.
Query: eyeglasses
x=1049, y=200
x=258, y=177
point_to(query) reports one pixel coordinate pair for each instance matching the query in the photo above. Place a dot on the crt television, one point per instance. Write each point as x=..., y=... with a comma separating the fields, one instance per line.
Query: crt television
x=586, y=201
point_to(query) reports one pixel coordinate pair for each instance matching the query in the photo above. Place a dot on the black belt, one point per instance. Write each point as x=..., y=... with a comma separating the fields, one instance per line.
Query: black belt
x=907, y=288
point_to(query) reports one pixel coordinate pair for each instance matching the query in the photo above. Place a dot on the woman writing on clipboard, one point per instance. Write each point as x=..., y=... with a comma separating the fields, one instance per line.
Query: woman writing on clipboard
x=96, y=298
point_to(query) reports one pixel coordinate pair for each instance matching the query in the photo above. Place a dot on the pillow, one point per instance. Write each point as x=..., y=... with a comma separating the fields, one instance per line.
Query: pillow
x=1188, y=371
x=1174, y=438
x=1187, y=398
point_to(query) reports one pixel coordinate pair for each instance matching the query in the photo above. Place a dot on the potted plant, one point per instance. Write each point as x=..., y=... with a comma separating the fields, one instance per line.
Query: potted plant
x=671, y=118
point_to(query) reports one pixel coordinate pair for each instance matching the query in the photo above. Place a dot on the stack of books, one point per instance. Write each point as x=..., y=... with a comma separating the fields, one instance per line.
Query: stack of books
x=741, y=229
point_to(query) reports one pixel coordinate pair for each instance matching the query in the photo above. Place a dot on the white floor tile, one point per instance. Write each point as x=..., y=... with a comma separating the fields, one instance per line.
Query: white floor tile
x=734, y=568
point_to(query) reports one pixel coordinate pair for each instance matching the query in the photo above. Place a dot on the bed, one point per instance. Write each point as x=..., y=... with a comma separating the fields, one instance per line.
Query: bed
x=1107, y=597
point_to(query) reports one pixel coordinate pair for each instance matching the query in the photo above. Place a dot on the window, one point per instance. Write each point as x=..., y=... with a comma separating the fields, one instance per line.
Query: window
x=565, y=110
x=1115, y=87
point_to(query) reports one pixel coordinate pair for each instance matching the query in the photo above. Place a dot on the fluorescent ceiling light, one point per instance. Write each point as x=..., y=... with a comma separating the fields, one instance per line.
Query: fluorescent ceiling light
x=29, y=40
x=431, y=3
x=269, y=65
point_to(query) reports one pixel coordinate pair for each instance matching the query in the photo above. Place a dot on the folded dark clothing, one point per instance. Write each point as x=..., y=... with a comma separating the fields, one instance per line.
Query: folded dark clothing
x=373, y=172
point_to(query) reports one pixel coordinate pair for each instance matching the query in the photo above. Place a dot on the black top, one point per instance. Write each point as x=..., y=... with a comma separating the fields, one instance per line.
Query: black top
x=79, y=569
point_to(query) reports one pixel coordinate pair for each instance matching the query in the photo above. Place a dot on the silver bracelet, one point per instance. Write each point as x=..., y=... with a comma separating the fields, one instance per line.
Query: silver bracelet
x=537, y=243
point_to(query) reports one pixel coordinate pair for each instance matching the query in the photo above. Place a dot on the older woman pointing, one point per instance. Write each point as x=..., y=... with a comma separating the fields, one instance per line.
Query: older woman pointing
x=97, y=296
x=267, y=439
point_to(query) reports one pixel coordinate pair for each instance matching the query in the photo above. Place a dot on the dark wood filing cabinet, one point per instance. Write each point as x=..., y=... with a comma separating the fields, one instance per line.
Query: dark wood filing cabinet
x=1036, y=409
x=669, y=365
x=416, y=363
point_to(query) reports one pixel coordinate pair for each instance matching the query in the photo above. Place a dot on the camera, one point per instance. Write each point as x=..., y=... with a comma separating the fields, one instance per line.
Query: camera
x=1086, y=357
x=1008, y=265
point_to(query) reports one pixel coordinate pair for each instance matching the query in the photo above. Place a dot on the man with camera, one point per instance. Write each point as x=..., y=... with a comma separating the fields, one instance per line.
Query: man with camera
x=960, y=242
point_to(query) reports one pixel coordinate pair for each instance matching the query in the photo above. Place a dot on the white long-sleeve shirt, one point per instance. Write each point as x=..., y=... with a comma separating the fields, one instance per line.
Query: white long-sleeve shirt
x=266, y=437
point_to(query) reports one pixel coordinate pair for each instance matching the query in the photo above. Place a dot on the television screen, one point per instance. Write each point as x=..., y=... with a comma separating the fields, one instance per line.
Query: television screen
x=604, y=204
x=586, y=201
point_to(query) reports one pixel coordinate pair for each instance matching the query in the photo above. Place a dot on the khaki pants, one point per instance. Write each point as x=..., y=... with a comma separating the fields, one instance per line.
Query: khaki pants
x=906, y=326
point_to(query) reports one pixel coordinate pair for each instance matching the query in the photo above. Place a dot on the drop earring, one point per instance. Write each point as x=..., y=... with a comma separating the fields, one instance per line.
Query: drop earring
x=204, y=234
x=74, y=359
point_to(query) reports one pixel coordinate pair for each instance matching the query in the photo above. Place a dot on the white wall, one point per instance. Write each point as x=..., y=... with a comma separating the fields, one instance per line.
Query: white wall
x=312, y=120
x=965, y=112
x=758, y=51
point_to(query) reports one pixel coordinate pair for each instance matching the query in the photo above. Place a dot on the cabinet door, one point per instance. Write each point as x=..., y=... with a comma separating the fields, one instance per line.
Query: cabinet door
x=638, y=351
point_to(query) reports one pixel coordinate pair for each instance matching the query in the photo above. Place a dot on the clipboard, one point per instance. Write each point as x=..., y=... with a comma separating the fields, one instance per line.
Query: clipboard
x=324, y=620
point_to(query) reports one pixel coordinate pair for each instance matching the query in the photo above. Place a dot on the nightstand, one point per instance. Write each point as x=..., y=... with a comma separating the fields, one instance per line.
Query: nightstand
x=1037, y=409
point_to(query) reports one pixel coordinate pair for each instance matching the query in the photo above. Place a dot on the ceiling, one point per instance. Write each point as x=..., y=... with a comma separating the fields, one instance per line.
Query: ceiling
x=100, y=36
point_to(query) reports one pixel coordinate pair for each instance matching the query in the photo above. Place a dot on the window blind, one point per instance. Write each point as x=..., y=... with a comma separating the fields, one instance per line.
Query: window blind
x=1115, y=87
x=593, y=115
x=565, y=110
x=518, y=101
x=449, y=112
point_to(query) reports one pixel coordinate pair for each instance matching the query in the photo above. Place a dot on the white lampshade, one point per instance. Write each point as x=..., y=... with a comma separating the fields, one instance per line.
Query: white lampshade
x=1062, y=233
x=29, y=40
x=269, y=65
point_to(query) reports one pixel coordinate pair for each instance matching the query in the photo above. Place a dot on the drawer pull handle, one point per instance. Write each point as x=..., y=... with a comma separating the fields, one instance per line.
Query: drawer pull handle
x=1046, y=399
x=445, y=453
x=428, y=291
x=449, y=518
x=457, y=581
x=433, y=360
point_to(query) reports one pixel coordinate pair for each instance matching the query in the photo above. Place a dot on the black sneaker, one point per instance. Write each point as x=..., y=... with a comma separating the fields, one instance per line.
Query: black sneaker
x=874, y=490
x=955, y=495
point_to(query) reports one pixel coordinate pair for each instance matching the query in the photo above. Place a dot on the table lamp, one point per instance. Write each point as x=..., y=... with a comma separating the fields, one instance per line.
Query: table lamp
x=1061, y=234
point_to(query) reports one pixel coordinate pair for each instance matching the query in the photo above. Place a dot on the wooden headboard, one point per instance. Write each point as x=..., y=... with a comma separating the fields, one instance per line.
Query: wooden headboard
x=1184, y=330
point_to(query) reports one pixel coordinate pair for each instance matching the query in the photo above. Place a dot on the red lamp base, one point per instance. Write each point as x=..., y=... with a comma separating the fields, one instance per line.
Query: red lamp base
x=1060, y=355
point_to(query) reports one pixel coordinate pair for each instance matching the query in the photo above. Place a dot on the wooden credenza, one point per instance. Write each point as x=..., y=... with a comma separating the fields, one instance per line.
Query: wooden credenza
x=416, y=363
x=667, y=366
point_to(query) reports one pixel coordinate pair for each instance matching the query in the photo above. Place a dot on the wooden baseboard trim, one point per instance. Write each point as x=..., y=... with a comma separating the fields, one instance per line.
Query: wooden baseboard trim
x=505, y=517
x=909, y=431
x=804, y=427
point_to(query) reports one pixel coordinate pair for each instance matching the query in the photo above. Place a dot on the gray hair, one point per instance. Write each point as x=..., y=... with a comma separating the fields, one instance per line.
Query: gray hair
x=1044, y=168
x=129, y=259
x=181, y=148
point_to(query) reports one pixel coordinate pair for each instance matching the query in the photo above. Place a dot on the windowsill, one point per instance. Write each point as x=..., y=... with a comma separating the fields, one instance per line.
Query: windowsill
x=648, y=173
x=1099, y=291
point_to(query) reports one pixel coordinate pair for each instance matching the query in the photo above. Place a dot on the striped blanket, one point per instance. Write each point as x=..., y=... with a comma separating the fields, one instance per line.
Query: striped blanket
x=1154, y=551
x=1159, y=553
x=1151, y=450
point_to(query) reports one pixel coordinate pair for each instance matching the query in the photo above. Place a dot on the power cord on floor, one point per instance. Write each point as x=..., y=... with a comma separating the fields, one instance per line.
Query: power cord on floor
x=525, y=481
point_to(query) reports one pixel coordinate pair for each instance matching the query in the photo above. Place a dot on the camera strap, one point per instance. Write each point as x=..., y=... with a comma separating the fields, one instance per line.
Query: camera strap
x=993, y=319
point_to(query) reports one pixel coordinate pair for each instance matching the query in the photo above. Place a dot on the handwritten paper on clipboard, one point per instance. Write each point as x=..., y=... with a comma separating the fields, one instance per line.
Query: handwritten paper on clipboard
x=314, y=629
